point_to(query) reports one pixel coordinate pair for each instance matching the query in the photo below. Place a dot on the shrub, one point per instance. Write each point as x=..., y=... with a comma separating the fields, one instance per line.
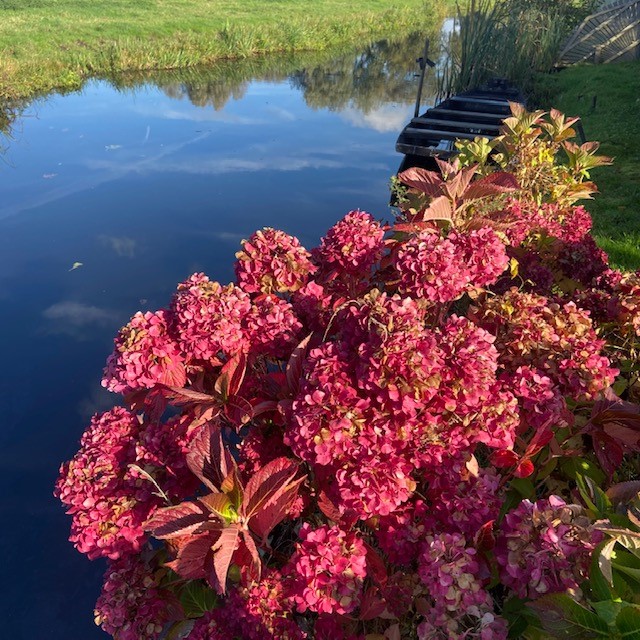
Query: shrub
x=420, y=430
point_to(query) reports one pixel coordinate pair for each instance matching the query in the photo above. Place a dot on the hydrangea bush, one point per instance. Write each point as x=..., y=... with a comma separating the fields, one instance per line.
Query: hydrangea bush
x=427, y=429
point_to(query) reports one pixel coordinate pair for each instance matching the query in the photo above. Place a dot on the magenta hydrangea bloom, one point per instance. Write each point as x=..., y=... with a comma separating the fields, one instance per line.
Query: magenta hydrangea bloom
x=460, y=502
x=272, y=261
x=400, y=533
x=440, y=269
x=430, y=266
x=132, y=605
x=327, y=570
x=272, y=327
x=541, y=405
x=209, y=319
x=545, y=547
x=557, y=340
x=145, y=355
x=108, y=502
x=349, y=250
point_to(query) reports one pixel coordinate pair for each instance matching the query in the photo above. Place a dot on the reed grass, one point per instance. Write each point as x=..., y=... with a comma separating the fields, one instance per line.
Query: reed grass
x=510, y=39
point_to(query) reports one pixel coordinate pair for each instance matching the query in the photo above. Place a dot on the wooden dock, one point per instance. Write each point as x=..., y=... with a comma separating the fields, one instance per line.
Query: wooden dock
x=465, y=116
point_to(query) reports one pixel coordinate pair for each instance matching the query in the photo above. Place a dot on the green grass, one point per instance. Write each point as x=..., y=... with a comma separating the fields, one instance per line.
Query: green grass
x=607, y=98
x=56, y=44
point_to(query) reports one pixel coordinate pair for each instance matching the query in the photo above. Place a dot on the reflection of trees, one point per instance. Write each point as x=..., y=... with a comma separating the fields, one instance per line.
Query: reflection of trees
x=381, y=72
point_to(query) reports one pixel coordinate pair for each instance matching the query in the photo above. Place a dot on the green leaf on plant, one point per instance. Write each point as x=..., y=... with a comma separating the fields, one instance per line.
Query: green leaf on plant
x=196, y=599
x=563, y=617
x=628, y=623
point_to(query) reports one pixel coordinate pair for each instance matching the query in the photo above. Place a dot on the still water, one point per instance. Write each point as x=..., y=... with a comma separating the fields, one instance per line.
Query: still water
x=111, y=196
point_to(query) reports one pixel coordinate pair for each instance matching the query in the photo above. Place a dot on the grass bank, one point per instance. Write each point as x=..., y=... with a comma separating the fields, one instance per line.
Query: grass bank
x=56, y=44
x=607, y=98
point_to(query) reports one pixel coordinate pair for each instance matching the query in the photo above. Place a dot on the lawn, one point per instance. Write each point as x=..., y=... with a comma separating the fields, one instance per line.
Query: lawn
x=607, y=98
x=55, y=44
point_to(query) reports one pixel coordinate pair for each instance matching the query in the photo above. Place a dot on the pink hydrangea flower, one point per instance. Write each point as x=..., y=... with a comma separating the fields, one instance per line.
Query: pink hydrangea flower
x=545, y=547
x=440, y=269
x=557, y=340
x=327, y=570
x=133, y=605
x=145, y=355
x=272, y=261
x=272, y=327
x=107, y=502
x=348, y=252
x=209, y=318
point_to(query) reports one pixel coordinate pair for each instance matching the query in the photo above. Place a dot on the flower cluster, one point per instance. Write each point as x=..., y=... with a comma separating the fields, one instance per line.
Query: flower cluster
x=133, y=605
x=557, y=339
x=209, y=319
x=272, y=261
x=327, y=570
x=145, y=355
x=440, y=269
x=108, y=502
x=545, y=547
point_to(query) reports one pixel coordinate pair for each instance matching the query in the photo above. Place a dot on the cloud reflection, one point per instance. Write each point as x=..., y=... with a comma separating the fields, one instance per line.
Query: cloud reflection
x=76, y=319
x=124, y=247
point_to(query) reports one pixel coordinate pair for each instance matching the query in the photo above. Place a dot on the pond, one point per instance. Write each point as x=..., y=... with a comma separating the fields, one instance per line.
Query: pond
x=110, y=197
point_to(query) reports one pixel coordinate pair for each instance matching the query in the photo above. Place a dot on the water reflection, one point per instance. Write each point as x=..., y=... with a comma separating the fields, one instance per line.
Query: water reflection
x=141, y=183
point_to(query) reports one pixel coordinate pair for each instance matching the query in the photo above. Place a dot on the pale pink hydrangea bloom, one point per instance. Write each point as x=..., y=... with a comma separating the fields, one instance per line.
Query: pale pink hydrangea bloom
x=327, y=570
x=545, y=547
x=209, y=318
x=272, y=261
x=145, y=355
x=460, y=606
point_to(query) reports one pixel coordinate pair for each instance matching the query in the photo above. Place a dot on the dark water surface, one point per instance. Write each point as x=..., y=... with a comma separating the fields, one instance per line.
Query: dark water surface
x=144, y=184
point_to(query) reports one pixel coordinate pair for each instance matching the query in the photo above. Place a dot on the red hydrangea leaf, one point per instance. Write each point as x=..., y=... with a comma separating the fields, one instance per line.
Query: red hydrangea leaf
x=218, y=503
x=269, y=494
x=484, y=539
x=174, y=376
x=429, y=182
x=184, y=519
x=328, y=508
x=194, y=557
x=412, y=227
x=440, y=208
x=182, y=396
x=223, y=550
x=524, y=469
x=493, y=184
x=371, y=604
x=504, y=458
x=608, y=452
x=208, y=457
x=294, y=366
x=375, y=566
x=252, y=564
x=231, y=376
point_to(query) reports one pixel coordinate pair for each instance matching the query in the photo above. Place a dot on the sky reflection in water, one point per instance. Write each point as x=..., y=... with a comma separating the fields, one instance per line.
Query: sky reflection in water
x=144, y=184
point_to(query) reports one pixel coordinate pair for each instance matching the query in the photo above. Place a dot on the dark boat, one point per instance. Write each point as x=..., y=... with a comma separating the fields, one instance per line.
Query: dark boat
x=479, y=112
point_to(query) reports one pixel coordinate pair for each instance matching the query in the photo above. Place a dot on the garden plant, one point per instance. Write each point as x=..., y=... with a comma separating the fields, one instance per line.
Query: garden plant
x=421, y=429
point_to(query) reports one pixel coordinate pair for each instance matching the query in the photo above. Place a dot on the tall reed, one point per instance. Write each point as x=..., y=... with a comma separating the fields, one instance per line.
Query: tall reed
x=510, y=39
